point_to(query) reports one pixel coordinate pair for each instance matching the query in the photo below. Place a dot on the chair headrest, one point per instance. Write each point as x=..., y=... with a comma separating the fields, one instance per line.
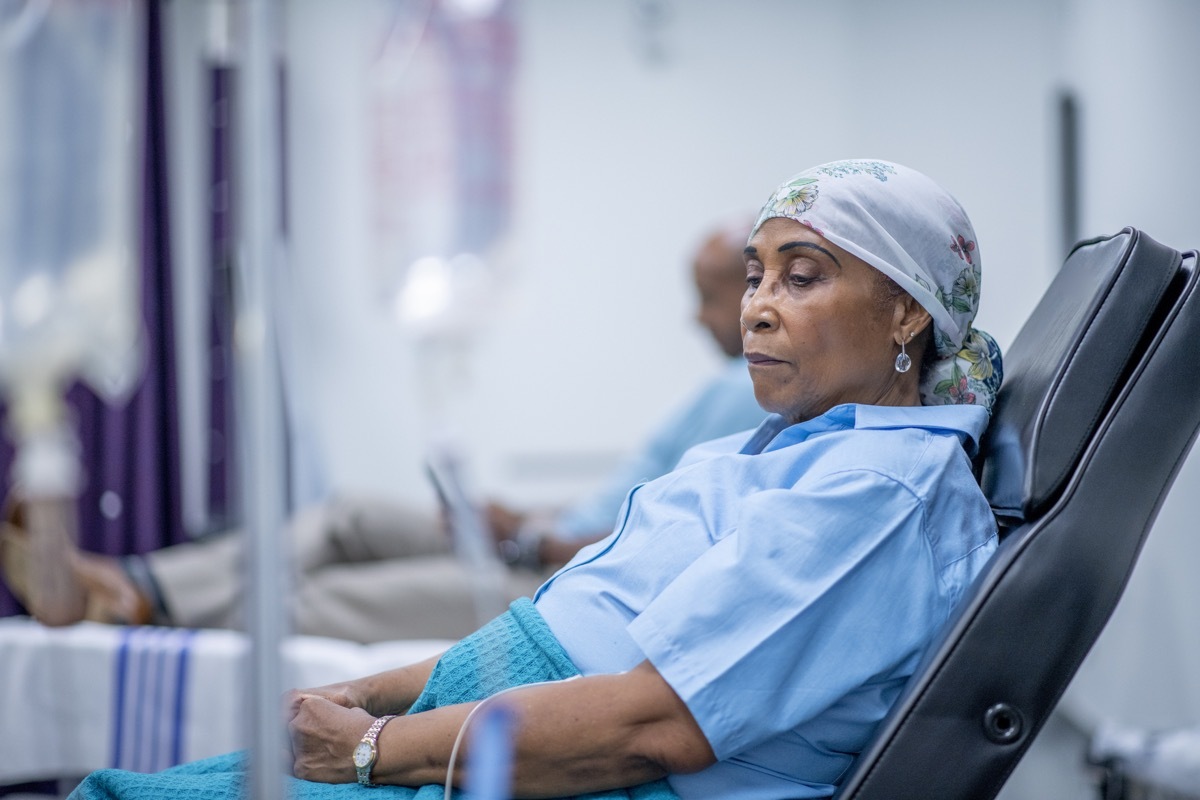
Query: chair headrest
x=1067, y=364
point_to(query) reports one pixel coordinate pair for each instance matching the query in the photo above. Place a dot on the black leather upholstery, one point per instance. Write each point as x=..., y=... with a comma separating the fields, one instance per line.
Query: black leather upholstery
x=1100, y=404
x=1066, y=365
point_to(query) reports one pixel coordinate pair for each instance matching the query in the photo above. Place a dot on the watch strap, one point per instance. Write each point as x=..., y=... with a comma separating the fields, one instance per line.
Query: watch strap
x=369, y=739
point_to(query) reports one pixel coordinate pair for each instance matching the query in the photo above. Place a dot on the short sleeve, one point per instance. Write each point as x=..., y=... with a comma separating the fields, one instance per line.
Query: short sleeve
x=820, y=588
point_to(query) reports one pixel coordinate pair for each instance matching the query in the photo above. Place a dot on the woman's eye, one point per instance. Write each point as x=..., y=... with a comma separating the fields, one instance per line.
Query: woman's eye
x=752, y=281
x=800, y=280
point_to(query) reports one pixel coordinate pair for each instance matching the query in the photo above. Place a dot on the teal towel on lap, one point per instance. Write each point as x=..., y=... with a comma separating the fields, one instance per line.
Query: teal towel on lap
x=514, y=649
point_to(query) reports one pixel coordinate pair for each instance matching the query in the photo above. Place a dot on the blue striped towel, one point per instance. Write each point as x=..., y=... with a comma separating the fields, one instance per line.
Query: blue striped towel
x=514, y=649
x=152, y=673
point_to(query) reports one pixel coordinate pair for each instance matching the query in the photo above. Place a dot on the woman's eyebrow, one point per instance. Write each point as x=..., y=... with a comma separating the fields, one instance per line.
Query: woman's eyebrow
x=793, y=245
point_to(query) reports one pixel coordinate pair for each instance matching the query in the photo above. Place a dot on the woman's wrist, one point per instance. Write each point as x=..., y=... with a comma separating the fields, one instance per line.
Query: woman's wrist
x=368, y=695
x=394, y=691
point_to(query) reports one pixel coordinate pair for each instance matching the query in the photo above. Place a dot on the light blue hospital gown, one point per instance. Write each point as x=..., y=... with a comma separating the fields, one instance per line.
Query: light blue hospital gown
x=785, y=586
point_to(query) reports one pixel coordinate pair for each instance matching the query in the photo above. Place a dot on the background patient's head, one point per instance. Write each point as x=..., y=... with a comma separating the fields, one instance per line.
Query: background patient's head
x=720, y=277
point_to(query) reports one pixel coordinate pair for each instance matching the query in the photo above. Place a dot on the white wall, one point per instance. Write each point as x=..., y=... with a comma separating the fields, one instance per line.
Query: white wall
x=620, y=165
x=1136, y=78
x=1142, y=166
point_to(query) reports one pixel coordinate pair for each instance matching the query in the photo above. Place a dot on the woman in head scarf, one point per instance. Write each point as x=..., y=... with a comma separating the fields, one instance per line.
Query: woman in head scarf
x=918, y=238
x=755, y=612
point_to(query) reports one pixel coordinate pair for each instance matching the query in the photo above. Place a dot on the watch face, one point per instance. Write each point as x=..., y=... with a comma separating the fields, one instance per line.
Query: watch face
x=363, y=754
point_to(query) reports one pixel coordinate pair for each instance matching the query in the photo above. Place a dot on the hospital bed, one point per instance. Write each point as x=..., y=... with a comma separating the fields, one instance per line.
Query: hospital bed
x=90, y=696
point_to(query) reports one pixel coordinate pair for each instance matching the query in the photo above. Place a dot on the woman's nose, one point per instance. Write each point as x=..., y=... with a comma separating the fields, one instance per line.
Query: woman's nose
x=758, y=310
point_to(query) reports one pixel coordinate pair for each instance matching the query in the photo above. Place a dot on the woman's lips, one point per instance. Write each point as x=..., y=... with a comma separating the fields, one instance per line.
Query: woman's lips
x=762, y=360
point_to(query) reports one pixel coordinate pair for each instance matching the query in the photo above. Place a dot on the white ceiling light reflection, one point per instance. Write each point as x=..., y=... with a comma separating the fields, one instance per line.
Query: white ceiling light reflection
x=425, y=295
x=441, y=297
x=474, y=9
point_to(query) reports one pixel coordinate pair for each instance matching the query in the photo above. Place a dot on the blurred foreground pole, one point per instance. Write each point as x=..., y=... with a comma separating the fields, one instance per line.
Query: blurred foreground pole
x=490, y=776
x=256, y=178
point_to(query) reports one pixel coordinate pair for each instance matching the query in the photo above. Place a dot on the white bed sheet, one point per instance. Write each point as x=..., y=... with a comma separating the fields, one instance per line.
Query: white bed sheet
x=90, y=696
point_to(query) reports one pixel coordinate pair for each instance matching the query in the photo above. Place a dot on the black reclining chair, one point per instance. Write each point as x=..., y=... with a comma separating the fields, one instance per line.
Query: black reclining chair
x=1099, y=406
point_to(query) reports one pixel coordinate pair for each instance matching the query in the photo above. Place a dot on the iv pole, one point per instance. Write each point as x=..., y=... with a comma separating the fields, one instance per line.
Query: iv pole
x=258, y=392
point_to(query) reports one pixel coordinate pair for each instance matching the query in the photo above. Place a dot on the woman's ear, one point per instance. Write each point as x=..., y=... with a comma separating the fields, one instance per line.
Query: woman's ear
x=910, y=318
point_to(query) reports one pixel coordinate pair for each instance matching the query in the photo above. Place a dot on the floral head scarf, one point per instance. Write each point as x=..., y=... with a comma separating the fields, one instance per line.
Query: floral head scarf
x=912, y=230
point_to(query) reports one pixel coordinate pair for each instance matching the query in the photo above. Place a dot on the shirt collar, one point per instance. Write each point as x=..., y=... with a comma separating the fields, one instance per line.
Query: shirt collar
x=967, y=422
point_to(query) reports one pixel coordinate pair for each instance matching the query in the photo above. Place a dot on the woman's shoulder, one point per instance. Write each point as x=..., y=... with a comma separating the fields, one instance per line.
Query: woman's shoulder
x=966, y=423
x=904, y=449
x=931, y=467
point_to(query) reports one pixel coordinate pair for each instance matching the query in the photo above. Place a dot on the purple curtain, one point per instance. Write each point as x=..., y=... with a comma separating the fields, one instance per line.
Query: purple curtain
x=131, y=503
x=219, y=501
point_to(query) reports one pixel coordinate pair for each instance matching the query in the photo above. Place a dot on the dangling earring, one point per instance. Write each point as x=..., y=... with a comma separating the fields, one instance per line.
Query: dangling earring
x=903, y=362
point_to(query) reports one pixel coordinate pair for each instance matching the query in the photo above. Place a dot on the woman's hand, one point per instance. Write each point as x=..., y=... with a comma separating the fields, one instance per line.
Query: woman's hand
x=323, y=735
x=348, y=694
x=390, y=692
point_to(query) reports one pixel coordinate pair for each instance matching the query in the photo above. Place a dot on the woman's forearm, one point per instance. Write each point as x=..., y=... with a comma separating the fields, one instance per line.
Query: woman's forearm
x=572, y=737
x=602, y=733
x=393, y=691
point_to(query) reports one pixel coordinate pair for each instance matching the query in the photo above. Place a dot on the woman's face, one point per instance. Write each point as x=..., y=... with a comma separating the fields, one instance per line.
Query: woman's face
x=815, y=332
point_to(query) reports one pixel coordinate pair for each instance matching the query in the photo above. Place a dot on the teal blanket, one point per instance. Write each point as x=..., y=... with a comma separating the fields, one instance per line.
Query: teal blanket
x=514, y=649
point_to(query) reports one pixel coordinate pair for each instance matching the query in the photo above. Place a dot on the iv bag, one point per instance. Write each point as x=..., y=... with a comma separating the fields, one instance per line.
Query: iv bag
x=440, y=120
x=69, y=122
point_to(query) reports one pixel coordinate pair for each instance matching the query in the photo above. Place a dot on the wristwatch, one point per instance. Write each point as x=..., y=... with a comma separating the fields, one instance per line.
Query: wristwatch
x=365, y=752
